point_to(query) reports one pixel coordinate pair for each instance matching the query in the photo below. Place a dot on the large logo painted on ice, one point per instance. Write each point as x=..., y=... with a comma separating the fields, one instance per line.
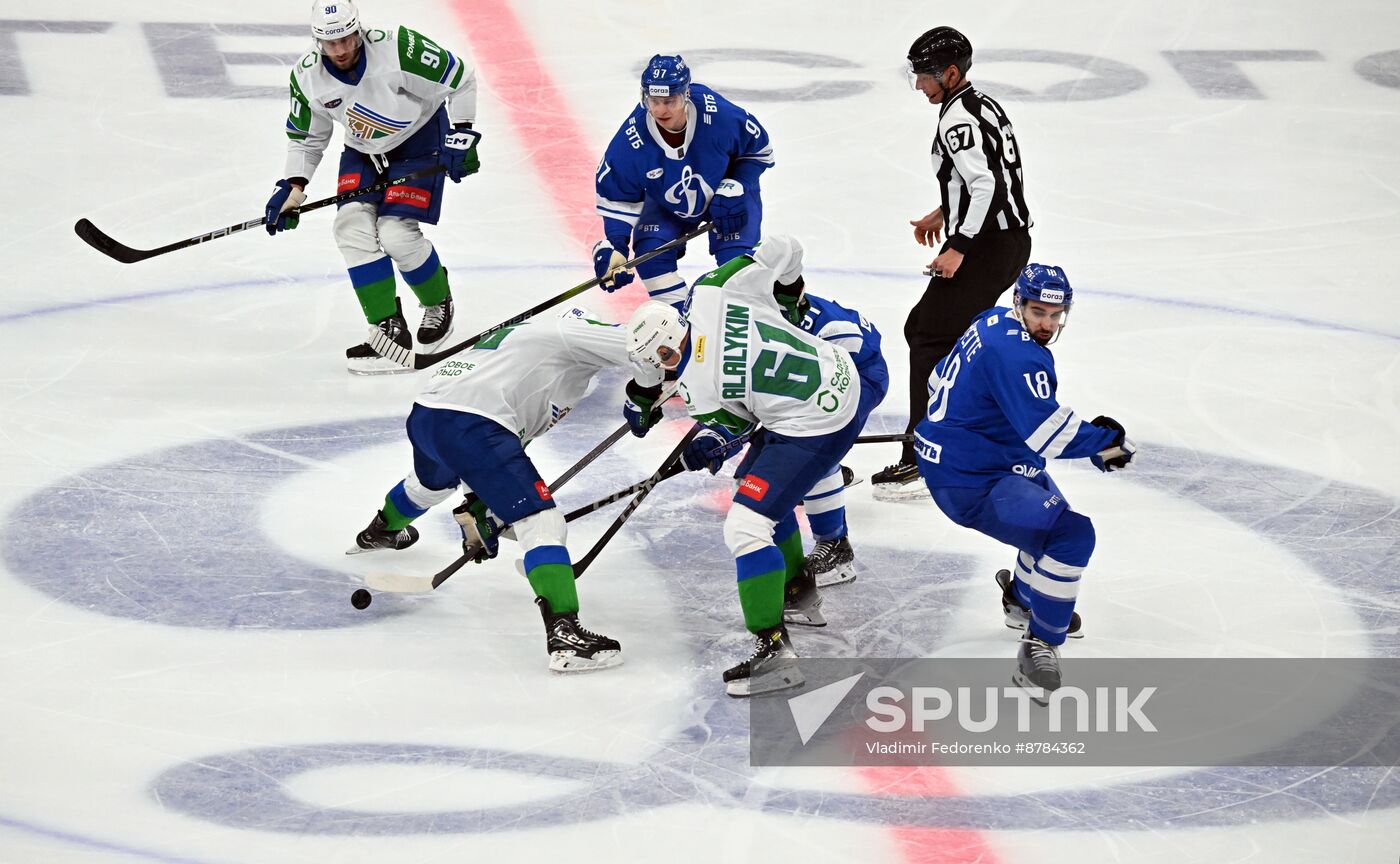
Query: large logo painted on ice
x=88, y=541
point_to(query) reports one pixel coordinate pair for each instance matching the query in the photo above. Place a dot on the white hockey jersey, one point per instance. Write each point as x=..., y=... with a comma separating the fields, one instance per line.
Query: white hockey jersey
x=402, y=79
x=748, y=365
x=527, y=377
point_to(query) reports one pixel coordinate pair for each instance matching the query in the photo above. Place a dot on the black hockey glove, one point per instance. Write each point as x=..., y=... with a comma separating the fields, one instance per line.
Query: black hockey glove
x=640, y=410
x=1120, y=453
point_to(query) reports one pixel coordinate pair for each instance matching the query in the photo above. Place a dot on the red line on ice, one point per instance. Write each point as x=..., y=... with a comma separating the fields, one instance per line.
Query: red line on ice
x=538, y=110
x=927, y=845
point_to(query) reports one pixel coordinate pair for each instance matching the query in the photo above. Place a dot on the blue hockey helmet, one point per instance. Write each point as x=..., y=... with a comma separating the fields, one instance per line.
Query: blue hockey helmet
x=1044, y=284
x=665, y=75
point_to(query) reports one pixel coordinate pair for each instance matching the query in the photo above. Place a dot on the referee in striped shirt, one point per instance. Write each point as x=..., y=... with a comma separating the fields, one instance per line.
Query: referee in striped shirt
x=982, y=213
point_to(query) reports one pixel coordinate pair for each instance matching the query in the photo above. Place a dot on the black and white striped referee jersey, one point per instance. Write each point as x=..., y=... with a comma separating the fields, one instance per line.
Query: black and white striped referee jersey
x=979, y=168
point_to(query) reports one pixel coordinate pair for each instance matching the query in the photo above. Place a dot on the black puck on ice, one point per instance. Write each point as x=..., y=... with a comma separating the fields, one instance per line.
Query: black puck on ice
x=361, y=598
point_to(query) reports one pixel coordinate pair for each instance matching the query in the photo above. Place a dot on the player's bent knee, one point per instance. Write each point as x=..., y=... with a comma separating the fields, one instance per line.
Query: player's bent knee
x=1071, y=539
x=545, y=528
x=422, y=496
x=355, y=231
x=746, y=531
x=403, y=241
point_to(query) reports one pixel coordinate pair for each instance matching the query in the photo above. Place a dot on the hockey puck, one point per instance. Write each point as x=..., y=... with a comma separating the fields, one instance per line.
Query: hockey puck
x=361, y=599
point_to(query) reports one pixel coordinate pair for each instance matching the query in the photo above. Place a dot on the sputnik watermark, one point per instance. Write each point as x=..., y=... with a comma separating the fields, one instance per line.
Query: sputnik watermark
x=1122, y=712
x=1100, y=709
x=892, y=709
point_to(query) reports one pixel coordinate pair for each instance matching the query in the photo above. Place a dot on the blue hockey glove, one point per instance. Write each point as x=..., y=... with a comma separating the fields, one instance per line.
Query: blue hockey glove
x=458, y=153
x=640, y=410
x=608, y=255
x=729, y=208
x=280, y=213
x=710, y=448
x=1120, y=453
x=481, y=534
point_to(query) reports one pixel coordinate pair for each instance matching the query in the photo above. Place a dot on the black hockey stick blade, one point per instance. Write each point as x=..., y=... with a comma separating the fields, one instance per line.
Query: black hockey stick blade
x=391, y=350
x=93, y=236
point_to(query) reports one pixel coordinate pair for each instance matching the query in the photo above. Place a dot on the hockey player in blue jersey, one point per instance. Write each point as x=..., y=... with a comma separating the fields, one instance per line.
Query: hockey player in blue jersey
x=685, y=154
x=992, y=422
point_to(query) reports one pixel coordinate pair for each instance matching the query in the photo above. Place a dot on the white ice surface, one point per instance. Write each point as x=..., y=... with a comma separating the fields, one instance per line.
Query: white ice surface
x=1232, y=260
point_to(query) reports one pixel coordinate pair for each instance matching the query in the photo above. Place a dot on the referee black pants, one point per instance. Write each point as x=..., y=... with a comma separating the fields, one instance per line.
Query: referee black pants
x=991, y=265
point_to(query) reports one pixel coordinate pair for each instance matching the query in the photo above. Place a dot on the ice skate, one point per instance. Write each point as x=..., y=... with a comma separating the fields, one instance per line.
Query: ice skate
x=1018, y=617
x=1037, y=665
x=831, y=562
x=437, y=323
x=898, y=482
x=772, y=666
x=572, y=648
x=362, y=360
x=802, y=602
x=378, y=536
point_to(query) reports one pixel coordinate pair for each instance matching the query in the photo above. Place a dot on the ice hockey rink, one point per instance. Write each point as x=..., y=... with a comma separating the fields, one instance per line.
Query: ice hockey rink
x=185, y=458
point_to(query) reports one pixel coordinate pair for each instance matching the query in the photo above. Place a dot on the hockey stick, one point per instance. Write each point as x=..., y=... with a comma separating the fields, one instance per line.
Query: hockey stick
x=892, y=438
x=670, y=468
x=93, y=236
x=409, y=359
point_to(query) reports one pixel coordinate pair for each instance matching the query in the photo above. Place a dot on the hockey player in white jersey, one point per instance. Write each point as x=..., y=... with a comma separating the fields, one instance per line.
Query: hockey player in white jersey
x=469, y=427
x=741, y=363
x=832, y=559
x=406, y=104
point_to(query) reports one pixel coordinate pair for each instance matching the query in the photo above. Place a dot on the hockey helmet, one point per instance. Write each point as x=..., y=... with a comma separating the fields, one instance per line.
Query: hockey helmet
x=1044, y=283
x=334, y=19
x=665, y=75
x=938, y=49
x=652, y=326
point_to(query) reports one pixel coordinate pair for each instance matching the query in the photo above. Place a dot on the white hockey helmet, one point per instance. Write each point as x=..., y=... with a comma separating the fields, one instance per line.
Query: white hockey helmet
x=334, y=19
x=781, y=253
x=652, y=326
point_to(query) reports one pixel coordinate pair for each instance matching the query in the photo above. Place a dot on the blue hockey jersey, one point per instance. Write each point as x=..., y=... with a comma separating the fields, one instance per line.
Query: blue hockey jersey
x=992, y=409
x=722, y=141
x=832, y=322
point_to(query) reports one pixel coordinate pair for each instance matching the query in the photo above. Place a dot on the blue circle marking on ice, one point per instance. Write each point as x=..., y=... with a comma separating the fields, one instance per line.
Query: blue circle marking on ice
x=1346, y=533
x=89, y=541
x=171, y=537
